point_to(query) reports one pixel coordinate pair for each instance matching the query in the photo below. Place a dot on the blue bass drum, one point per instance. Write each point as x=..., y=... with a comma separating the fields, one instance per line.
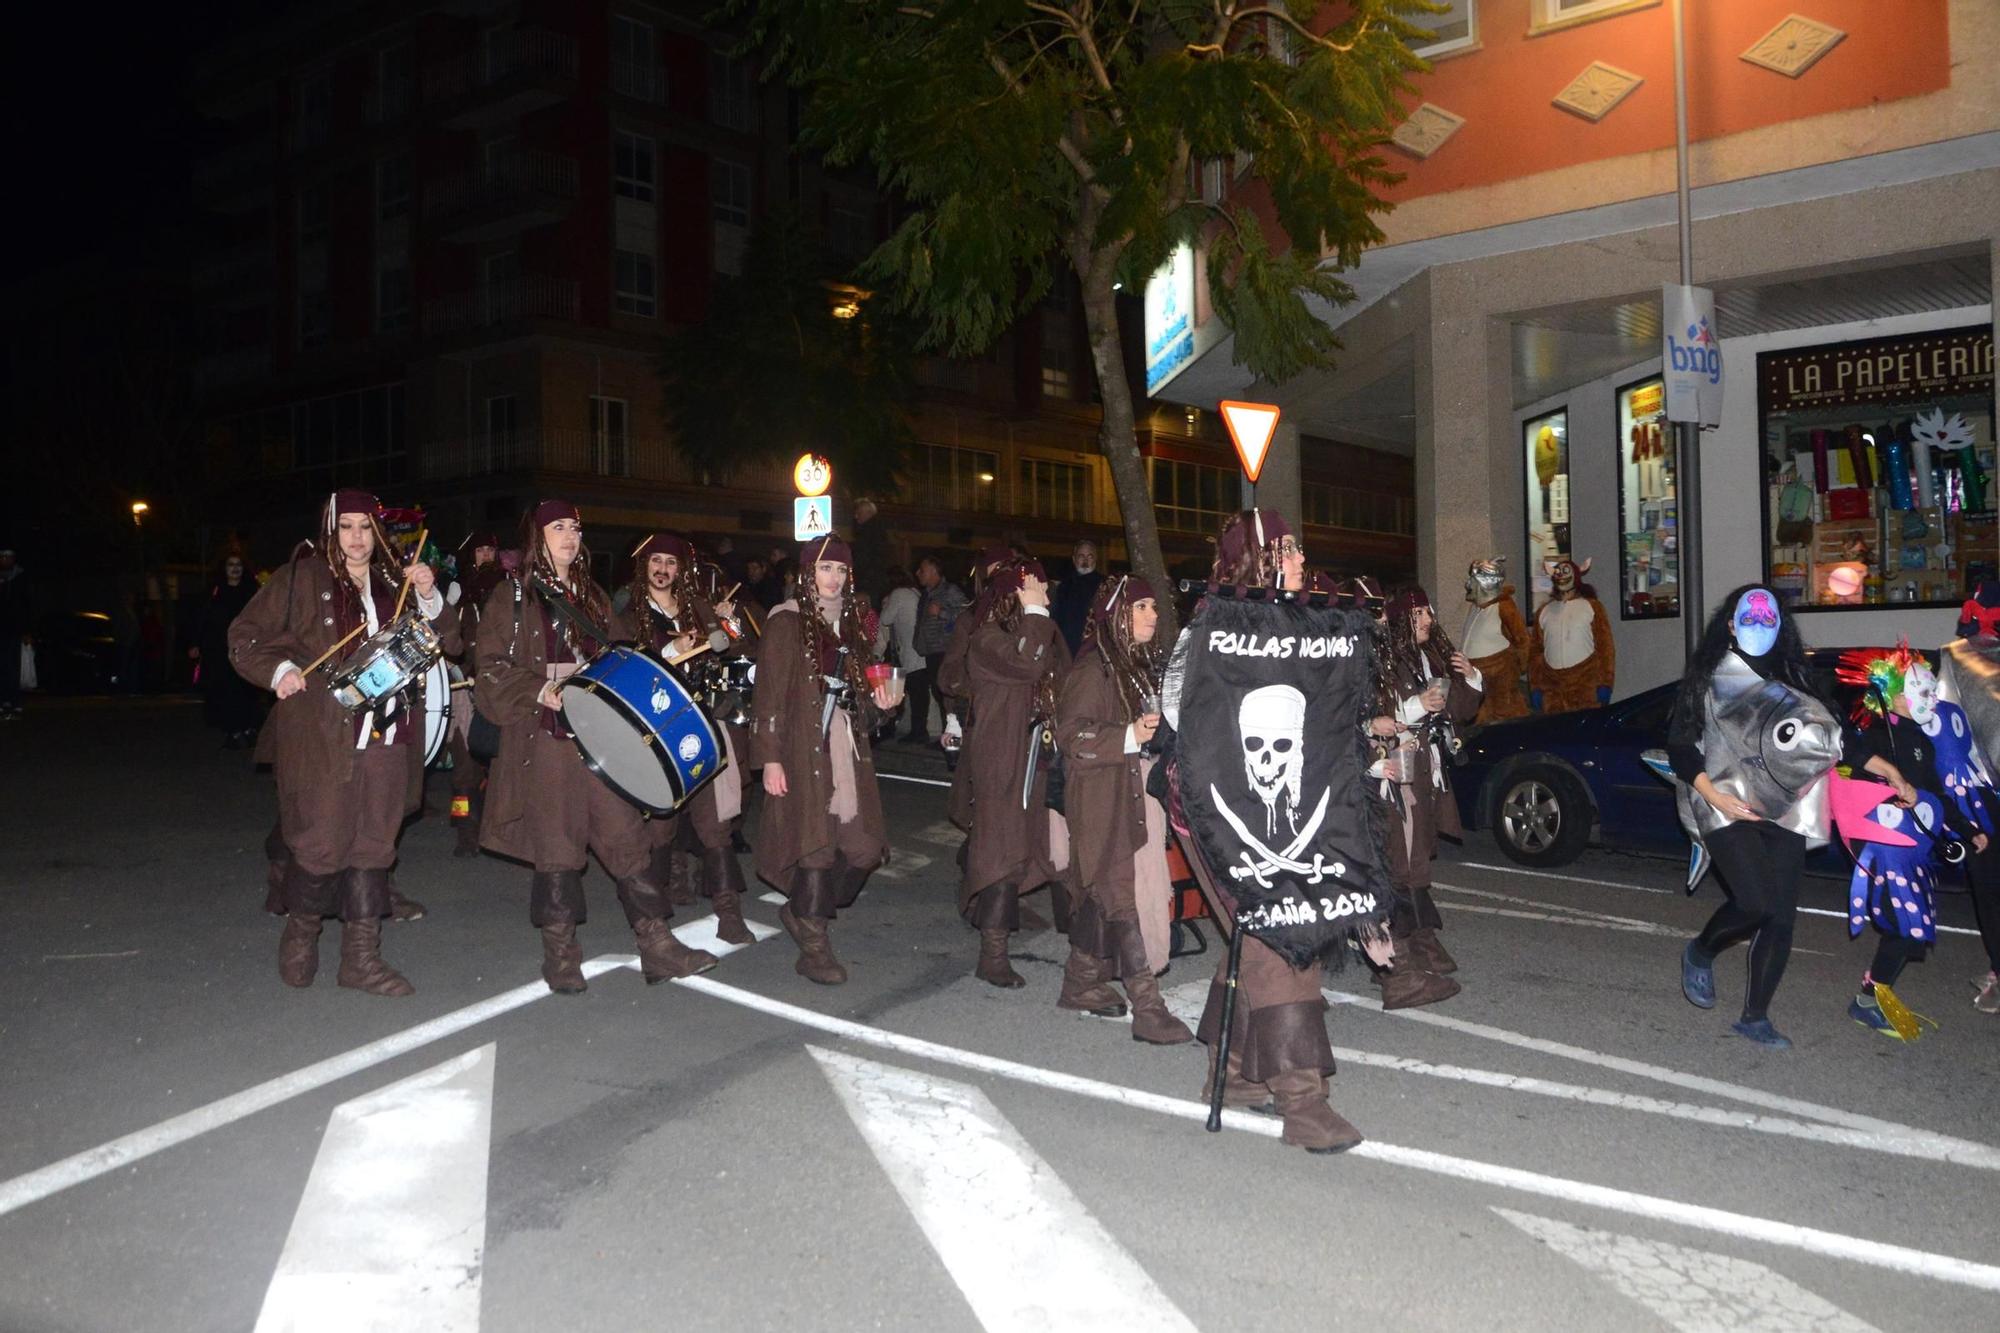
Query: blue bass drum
x=640, y=729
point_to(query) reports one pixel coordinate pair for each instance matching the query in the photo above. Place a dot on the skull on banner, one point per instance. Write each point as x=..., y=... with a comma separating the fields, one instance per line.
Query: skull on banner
x=1273, y=723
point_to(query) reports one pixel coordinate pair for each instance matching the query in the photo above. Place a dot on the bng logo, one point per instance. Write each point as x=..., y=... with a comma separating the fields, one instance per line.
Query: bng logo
x=1699, y=355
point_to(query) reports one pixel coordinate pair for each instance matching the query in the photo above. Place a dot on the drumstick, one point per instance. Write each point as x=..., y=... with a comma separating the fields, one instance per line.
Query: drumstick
x=405, y=592
x=320, y=661
x=731, y=593
x=690, y=653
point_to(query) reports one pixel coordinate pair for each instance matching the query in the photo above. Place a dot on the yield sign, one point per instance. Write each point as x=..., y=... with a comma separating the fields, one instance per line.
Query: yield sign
x=1251, y=426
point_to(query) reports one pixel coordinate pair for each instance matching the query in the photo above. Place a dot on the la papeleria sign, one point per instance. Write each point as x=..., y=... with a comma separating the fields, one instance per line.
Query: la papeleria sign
x=1915, y=368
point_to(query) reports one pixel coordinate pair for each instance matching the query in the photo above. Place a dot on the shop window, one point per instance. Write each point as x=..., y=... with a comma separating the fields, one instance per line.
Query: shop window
x=1649, y=567
x=1545, y=440
x=1879, y=469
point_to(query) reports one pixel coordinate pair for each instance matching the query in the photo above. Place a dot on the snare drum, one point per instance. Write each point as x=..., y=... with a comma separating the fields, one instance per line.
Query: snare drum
x=388, y=663
x=640, y=729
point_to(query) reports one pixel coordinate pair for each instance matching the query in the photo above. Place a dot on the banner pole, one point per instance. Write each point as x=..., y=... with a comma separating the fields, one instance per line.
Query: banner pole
x=1687, y=434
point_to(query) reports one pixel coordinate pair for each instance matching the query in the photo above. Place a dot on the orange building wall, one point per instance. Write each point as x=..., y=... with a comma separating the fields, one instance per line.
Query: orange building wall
x=1506, y=89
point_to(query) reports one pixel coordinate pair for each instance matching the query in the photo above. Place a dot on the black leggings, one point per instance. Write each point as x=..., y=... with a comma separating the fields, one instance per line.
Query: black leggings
x=1985, y=869
x=1891, y=953
x=1760, y=864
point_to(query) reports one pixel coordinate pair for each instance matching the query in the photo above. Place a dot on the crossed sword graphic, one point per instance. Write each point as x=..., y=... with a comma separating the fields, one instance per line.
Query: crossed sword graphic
x=1314, y=870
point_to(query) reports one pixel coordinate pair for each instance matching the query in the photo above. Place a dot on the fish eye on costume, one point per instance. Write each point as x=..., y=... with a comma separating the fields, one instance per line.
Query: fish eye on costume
x=1787, y=734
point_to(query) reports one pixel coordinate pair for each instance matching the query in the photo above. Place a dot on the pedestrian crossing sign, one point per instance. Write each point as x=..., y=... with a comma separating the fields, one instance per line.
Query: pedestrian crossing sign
x=812, y=517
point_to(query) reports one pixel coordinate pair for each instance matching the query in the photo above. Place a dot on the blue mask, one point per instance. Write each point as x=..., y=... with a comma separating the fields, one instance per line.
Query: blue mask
x=1756, y=622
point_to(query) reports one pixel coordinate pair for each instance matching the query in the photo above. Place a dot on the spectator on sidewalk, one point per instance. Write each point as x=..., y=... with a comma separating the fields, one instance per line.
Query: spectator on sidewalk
x=17, y=626
x=896, y=639
x=1077, y=593
x=871, y=551
x=229, y=702
x=938, y=609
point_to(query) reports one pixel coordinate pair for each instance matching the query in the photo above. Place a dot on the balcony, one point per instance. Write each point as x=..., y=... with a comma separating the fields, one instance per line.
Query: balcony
x=578, y=453
x=640, y=80
x=512, y=193
x=513, y=72
x=503, y=305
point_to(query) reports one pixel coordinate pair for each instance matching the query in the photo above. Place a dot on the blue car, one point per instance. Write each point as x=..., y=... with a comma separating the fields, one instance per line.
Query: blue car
x=1541, y=784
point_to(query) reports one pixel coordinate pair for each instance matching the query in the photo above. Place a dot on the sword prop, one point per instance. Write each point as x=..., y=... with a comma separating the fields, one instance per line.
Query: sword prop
x=1035, y=734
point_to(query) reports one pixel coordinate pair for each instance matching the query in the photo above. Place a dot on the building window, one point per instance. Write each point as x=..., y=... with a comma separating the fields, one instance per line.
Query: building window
x=1649, y=561
x=395, y=83
x=1455, y=30
x=732, y=93
x=392, y=187
x=503, y=286
x=1357, y=510
x=392, y=296
x=634, y=172
x=502, y=428
x=312, y=215
x=1212, y=180
x=1546, y=15
x=729, y=192
x=635, y=72
x=636, y=286
x=1189, y=497
x=315, y=317
x=315, y=112
x=348, y=438
x=1054, y=490
x=610, y=445
x=1055, y=383
x=966, y=480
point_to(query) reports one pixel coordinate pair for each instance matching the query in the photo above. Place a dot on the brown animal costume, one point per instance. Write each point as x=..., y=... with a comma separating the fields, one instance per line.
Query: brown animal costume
x=1278, y=1047
x=693, y=847
x=543, y=806
x=1496, y=640
x=1572, y=661
x=1414, y=778
x=345, y=781
x=1118, y=854
x=1014, y=664
x=821, y=831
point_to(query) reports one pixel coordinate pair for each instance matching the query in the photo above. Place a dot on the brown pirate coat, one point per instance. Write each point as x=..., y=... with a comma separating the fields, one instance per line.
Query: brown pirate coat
x=1008, y=844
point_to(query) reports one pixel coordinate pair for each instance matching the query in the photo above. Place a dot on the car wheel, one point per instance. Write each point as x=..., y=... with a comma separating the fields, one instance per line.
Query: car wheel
x=1542, y=817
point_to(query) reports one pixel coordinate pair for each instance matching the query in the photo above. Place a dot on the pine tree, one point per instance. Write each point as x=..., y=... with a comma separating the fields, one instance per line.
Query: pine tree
x=1021, y=134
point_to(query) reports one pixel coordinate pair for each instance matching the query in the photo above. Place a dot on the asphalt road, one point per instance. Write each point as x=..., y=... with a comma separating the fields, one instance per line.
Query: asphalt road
x=186, y=1144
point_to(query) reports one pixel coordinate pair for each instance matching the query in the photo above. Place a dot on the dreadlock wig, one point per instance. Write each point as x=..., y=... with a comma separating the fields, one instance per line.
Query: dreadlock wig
x=1135, y=668
x=1882, y=674
x=381, y=561
x=821, y=641
x=1246, y=550
x=1000, y=604
x=577, y=586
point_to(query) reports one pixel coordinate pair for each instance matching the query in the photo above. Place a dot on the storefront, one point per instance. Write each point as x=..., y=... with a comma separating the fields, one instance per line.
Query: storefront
x=1878, y=469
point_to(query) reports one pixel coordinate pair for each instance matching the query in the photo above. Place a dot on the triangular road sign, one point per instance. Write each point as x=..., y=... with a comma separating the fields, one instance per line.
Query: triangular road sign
x=1251, y=426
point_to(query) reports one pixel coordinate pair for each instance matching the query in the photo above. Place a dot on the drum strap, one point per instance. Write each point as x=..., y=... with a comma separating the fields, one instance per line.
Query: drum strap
x=564, y=610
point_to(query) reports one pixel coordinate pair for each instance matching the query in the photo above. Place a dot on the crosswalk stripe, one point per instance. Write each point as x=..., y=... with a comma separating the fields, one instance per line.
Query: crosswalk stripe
x=1024, y=1251
x=1693, y=1291
x=391, y=1230
x=907, y=863
x=944, y=833
x=1961, y=1151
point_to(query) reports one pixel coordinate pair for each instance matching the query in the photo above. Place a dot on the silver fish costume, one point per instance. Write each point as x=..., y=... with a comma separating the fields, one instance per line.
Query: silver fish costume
x=1969, y=676
x=1765, y=743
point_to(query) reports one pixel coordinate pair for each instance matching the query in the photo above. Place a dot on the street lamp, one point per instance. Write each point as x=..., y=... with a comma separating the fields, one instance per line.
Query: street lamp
x=139, y=510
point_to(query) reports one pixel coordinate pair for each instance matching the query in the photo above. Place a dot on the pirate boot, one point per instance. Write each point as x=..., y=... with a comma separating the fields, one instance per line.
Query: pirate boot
x=1237, y=1091
x=997, y=914
x=556, y=907
x=661, y=956
x=1425, y=947
x=1152, y=1021
x=1086, y=986
x=365, y=902
x=1406, y=985
x=1311, y=1123
x=806, y=918
x=724, y=876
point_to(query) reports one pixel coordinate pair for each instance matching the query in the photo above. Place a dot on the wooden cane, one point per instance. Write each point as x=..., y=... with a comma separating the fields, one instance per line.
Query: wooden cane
x=1228, y=1021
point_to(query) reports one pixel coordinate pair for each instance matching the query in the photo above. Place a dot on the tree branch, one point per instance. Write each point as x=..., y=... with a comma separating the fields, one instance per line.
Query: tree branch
x=1232, y=21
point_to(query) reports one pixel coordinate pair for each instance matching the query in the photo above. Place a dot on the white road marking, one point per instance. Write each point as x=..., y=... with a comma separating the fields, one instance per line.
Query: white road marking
x=904, y=777
x=391, y=1231
x=123, y=1151
x=1565, y=908
x=774, y=898
x=905, y=864
x=1866, y=1250
x=944, y=833
x=1024, y=1251
x=1959, y=1151
x=79, y=957
x=1693, y=1291
x=1647, y=888
x=1561, y=919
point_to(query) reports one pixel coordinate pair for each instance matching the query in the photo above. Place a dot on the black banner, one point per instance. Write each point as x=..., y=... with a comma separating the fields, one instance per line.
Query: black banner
x=1271, y=764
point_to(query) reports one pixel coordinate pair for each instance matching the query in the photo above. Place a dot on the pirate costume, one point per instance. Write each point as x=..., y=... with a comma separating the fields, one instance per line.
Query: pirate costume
x=543, y=805
x=811, y=716
x=1014, y=665
x=345, y=780
x=475, y=585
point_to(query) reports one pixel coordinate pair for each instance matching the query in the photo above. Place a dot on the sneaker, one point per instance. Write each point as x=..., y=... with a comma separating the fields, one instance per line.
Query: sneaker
x=1697, y=979
x=1988, y=999
x=1761, y=1032
x=1865, y=1011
